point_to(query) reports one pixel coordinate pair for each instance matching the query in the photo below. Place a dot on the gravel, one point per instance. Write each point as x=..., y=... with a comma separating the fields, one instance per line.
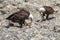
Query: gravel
x=49, y=30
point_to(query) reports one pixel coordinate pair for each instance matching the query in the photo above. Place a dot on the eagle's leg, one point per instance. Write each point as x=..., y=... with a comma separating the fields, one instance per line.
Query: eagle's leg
x=43, y=17
x=22, y=24
x=47, y=16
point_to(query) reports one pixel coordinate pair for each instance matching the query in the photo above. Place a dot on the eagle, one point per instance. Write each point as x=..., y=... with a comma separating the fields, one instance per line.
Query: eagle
x=20, y=17
x=46, y=11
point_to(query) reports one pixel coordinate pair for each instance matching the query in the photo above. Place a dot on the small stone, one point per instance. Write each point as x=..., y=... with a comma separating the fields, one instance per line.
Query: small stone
x=1, y=5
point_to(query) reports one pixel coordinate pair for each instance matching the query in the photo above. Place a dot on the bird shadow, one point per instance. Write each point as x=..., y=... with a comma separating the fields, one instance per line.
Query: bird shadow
x=45, y=19
x=49, y=18
x=13, y=26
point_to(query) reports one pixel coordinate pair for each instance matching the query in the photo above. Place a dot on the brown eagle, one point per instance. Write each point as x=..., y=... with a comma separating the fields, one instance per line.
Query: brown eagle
x=19, y=17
